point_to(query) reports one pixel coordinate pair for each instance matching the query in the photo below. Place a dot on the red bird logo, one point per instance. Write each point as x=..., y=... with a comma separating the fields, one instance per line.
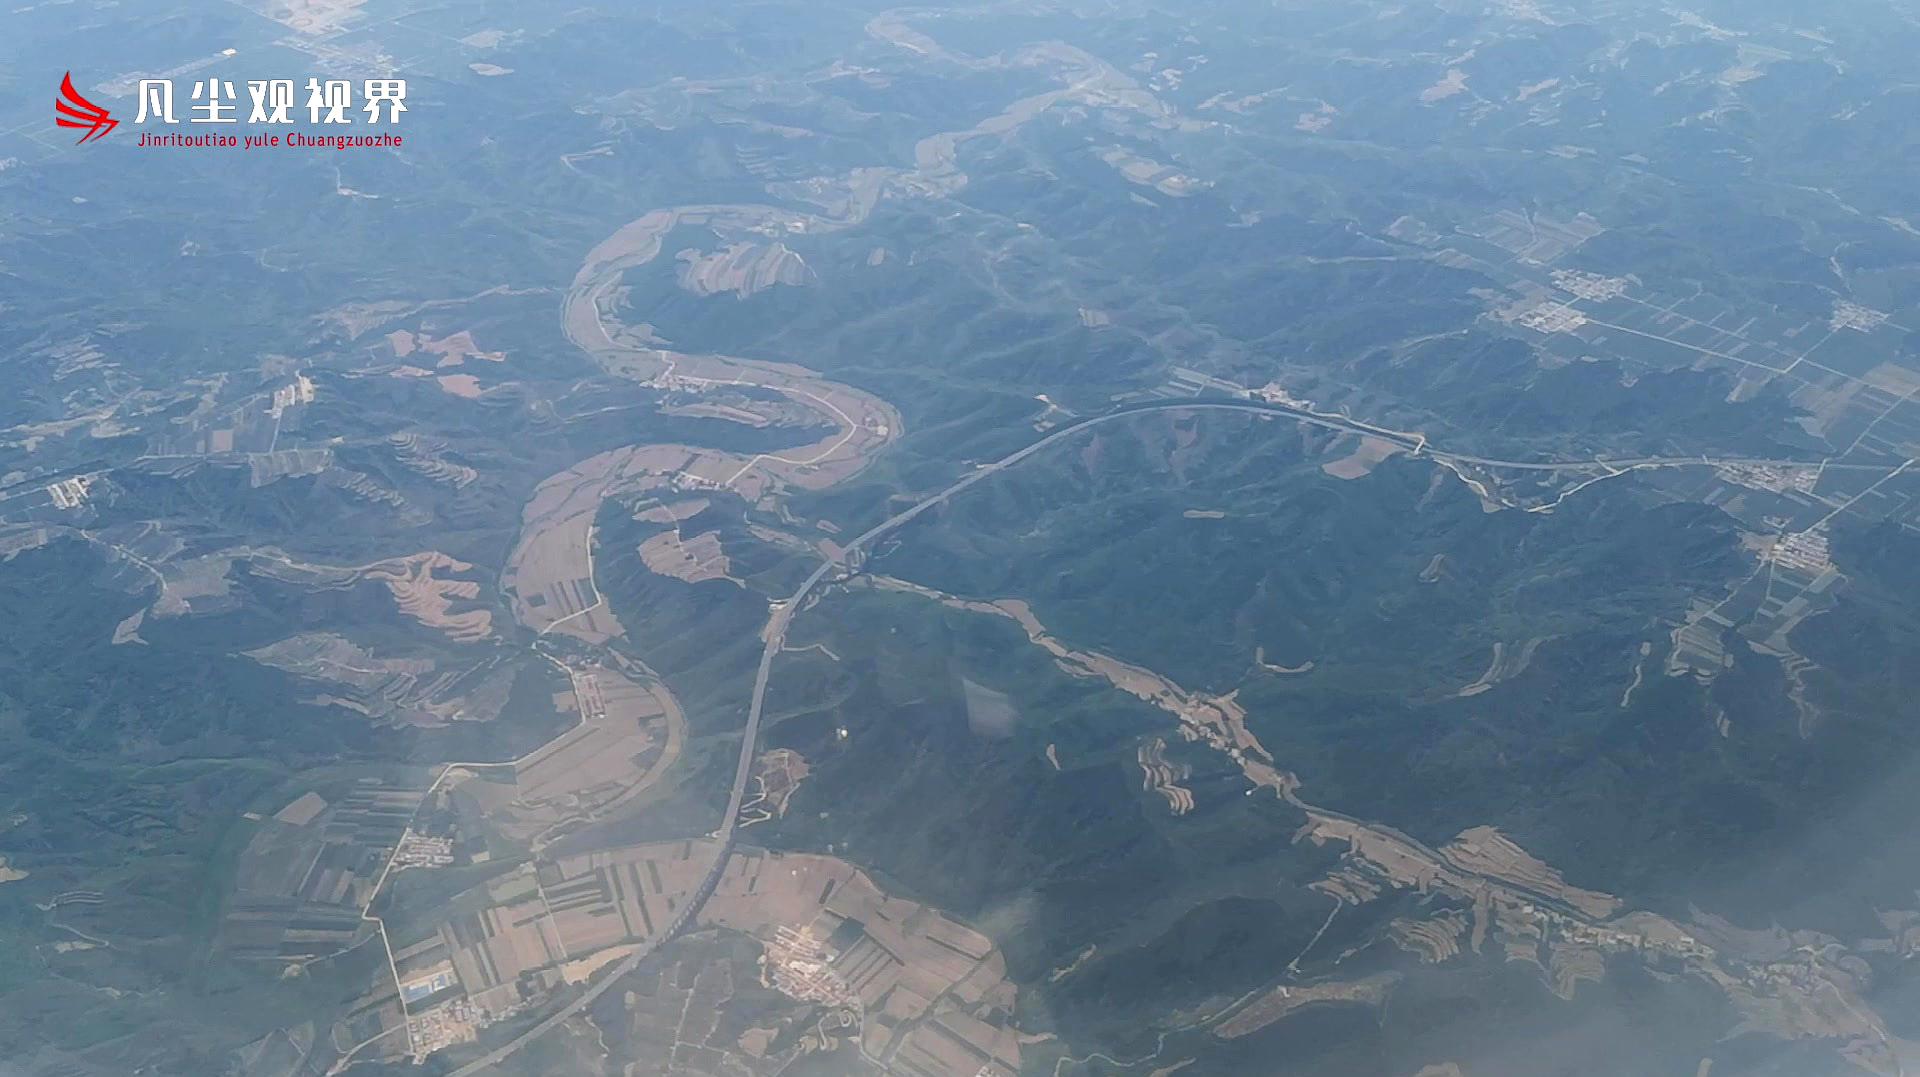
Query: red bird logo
x=76, y=111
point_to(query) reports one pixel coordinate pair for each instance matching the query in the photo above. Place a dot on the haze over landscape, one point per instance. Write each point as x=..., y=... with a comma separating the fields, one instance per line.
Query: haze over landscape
x=973, y=540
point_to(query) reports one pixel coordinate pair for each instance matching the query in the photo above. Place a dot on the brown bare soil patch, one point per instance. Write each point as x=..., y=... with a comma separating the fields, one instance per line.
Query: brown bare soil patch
x=694, y=560
x=1362, y=460
x=1507, y=663
x=777, y=776
x=742, y=268
x=464, y=385
x=423, y=592
x=1284, y=1000
x=1157, y=775
x=673, y=512
x=628, y=734
x=549, y=573
x=456, y=348
x=1485, y=851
